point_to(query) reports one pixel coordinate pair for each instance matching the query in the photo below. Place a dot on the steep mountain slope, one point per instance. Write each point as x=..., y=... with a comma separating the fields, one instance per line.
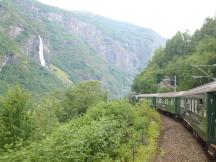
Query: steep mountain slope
x=177, y=58
x=76, y=46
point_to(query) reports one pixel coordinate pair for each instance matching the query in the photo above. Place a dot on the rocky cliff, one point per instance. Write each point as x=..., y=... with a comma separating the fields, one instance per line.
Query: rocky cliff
x=76, y=46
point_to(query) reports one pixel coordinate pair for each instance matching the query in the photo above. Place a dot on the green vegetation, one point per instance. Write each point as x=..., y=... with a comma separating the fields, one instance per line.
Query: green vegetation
x=76, y=123
x=15, y=117
x=5, y=49
x=67, y=51
x=31, y=76
x=176, y=58
x=78, y=99
x=64, y=77
x=97, y=131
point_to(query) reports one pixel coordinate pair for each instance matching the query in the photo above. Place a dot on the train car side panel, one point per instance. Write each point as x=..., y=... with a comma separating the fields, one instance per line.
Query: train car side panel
x=193, y=112
x=211, y=104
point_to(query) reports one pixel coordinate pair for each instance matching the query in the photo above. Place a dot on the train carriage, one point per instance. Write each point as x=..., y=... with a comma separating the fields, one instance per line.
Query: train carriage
x=169, y=102
x=198, y=109
x=150, y=98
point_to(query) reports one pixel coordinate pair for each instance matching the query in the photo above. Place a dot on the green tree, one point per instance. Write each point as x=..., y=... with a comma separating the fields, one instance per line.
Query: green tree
x=15, y=116
x=45, y=117
x=180, y=52
x=78, y=99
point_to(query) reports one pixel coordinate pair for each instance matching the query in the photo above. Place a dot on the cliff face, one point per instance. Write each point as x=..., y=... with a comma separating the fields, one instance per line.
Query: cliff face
x=80, y=45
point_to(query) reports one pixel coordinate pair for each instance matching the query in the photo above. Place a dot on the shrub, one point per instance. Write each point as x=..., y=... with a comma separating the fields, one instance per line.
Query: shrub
x=45, y=117
x=15, y=117
x=78, y=99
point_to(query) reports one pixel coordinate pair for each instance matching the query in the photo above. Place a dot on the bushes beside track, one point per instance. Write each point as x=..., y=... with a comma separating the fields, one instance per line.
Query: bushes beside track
x=59, y=129
x=107, y=132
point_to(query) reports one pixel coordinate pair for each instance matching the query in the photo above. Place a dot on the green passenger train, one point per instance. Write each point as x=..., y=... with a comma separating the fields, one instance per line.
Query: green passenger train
x=196, y=107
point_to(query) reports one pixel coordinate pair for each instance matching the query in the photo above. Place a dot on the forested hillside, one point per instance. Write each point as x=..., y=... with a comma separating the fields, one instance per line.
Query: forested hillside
x=76, y=46
x=176, y=59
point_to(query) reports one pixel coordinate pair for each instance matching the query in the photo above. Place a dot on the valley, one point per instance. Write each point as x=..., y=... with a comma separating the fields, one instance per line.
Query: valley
x=80, y=45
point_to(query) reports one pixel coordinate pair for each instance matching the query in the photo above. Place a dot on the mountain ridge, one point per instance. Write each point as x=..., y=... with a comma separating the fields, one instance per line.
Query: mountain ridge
x=82, y=46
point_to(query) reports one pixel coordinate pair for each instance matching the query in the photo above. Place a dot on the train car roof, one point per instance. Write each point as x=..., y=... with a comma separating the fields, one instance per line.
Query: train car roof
x=209, y=87
x=171, y=94
x=147, y=95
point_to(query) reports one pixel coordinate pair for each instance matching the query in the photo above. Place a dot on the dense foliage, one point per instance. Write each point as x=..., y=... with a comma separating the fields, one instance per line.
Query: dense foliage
x=106, y=131
x=181, y=51
x=79, y=98
x=15, y=117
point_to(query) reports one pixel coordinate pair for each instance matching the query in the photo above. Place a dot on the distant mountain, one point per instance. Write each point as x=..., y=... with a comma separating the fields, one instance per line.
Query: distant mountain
x=76, y=46
x=176, y=59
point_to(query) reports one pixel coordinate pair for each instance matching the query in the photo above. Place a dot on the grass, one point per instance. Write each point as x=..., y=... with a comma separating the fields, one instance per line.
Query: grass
x=63, y=76
x=148, y=152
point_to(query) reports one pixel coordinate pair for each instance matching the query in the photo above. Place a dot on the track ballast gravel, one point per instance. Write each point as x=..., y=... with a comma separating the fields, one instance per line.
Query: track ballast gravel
x=178, y=144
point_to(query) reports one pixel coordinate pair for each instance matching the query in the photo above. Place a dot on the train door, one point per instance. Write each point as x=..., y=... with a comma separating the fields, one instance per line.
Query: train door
x=211, y=114
x=177, y=105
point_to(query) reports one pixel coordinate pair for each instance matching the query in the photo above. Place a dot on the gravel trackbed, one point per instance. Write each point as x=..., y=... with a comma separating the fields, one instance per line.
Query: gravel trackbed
x=178, y=144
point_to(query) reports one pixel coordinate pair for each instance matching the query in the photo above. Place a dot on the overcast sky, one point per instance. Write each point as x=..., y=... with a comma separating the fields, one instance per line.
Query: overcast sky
x=164, y=16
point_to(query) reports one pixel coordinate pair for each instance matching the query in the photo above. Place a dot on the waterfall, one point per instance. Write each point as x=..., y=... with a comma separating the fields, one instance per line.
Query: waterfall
x=41, y=54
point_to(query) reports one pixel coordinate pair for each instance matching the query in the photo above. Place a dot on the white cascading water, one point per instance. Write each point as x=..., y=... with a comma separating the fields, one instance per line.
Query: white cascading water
x=41, y=54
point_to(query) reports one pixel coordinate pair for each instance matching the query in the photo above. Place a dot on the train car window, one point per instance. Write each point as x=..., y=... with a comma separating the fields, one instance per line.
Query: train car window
x=200, y=108
x=182, y=103
x=195, y=106
x=204, y=111
x=192, y=105
x=200, y=101
x=187, y=105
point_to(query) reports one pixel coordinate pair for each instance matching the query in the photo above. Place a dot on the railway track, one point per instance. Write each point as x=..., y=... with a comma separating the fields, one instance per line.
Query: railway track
x=179, y=145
